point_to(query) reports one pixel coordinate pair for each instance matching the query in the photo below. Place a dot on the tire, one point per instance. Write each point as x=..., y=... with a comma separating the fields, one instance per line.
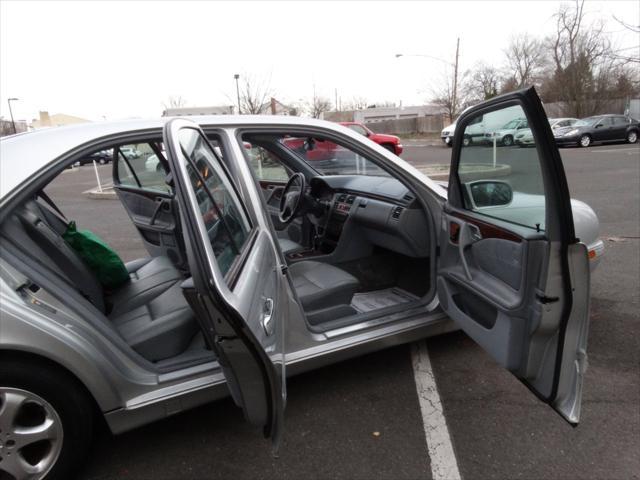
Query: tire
x=102, y=161
x=466, y=141
x=507, y=140
x=632, y=136
x=585, y=141
x=46, y=396
x=159, y=168
x=389, y=147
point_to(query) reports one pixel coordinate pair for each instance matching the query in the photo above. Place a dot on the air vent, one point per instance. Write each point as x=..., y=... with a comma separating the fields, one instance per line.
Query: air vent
x=396, y=213
x=342, y=197
x=351, y=199
x=408, y=198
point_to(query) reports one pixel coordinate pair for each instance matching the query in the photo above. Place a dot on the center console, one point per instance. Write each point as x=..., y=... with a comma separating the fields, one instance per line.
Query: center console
x=328, y=235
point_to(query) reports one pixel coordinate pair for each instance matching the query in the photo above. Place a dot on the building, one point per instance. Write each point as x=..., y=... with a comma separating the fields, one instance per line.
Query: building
x=56, y=120
x=190, y=111
x=380, y=114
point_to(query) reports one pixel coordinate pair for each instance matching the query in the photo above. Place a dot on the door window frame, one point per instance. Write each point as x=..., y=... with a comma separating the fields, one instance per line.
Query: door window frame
x=558, y=222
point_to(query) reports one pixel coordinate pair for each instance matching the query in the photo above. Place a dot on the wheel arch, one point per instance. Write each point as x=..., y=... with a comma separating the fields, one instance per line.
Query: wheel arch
x=92, y=387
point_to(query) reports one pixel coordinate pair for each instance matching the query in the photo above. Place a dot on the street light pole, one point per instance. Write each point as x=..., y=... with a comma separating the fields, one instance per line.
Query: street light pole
x=455, y=81
x=237, y=76
x=454, y=96
x=13, y=123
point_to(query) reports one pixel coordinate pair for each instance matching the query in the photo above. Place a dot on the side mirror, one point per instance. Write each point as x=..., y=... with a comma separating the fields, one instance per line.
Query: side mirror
x=599, y=125
x=489, y=193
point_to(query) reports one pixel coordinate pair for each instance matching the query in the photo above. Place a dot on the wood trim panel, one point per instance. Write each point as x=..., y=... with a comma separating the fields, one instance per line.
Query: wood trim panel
x=487, y=230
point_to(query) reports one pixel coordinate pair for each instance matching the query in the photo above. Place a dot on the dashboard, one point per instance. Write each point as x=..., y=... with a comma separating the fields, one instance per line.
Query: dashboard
x=379, y=211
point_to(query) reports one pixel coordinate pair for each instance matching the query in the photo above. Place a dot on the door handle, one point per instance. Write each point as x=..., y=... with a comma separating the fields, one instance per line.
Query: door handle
x=267, y=316
x=163, y=203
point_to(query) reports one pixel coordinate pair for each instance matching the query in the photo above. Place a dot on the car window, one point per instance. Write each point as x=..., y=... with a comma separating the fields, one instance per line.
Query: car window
x=222, y=213
x=139, y=166
x=330, y=158
x=265, y=164
x=358, y=129
x=498, y=180
x=620, y=121
x=605, y=121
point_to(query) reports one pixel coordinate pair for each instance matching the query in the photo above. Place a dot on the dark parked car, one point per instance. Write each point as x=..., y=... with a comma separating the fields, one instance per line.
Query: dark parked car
x=598, y=129
x=101, y=157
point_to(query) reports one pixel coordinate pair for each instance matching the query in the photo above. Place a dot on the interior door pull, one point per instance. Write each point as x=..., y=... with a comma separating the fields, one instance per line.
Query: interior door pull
x=468, y=234
x=267, y=316
x=161, y=204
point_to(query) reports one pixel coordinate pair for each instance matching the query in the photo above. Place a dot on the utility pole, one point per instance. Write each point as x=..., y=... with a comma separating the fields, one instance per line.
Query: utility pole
x=336, y=92
x=455, y=81
x=13, y=123
x=237, y=76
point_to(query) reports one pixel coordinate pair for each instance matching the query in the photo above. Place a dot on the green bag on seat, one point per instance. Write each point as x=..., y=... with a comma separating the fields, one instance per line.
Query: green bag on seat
x=99, y=257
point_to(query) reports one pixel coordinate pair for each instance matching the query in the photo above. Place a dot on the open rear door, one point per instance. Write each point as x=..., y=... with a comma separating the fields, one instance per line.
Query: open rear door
x=237, y=290
x=511, y=273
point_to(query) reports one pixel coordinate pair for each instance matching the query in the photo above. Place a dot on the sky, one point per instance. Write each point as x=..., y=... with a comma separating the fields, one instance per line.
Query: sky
x=115, y=59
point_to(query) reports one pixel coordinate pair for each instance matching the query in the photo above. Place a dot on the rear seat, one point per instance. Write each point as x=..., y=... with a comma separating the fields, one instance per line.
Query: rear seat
x=149, y=310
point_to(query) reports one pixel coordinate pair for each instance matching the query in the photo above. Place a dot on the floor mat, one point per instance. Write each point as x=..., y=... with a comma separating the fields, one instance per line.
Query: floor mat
x=368, y=301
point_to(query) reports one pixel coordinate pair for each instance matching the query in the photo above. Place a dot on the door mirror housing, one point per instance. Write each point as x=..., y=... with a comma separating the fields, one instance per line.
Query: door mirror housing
x=489, y=193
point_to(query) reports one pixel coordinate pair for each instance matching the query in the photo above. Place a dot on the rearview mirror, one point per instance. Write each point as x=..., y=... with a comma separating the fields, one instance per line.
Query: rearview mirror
x=489, y=193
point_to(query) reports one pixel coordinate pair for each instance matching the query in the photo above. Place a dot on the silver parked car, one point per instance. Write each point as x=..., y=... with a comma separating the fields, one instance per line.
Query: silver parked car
x=252, y=277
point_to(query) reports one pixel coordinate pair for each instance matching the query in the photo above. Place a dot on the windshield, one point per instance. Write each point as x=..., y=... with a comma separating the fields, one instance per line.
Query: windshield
x=329, y=158
x=515, y=124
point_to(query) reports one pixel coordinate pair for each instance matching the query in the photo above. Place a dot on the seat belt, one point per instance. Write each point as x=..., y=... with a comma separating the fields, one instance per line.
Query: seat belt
x=49, y=202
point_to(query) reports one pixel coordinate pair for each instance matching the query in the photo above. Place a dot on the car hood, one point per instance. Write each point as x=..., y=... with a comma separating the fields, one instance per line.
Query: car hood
x=385, y=137
x=562, y=130
x=451, y=128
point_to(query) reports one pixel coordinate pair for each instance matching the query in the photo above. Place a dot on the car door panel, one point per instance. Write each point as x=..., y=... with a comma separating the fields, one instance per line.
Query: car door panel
x=243, y=302
x=511, y=273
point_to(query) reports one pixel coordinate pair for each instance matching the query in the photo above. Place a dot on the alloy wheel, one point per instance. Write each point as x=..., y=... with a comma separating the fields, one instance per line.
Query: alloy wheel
x=585, y=140
x=632, y=137
x=507, y=141
x=30, y=434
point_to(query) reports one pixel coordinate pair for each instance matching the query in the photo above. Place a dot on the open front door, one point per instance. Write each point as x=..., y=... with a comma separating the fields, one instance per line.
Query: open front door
x=238, y=290
x=511, y=273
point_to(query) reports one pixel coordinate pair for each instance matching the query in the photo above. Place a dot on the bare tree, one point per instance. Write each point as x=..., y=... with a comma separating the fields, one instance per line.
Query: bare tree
x=255, y=95
x=483, y=82
x=525, y=59
x=581, y=54
x=628, y=54
x=442, y=95
x=174, y=101
x=356, y=103
x=318, y=105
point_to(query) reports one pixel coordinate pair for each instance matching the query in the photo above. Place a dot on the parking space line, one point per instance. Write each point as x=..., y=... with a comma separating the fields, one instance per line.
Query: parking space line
x=610, y=150
x=442, y=457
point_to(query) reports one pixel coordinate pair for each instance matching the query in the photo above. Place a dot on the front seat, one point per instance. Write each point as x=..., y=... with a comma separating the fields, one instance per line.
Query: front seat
x=287, y=245
x=320, y=285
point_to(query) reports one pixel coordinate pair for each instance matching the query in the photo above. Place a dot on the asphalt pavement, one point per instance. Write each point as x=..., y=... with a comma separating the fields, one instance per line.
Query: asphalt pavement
x=362, y=419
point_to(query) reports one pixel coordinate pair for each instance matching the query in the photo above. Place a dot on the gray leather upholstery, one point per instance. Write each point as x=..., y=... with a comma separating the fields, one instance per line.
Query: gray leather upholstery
x=320, y=285
x=287, y=245
x=149, y=310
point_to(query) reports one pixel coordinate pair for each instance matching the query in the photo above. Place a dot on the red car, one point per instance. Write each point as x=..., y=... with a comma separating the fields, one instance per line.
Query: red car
x=390, y=142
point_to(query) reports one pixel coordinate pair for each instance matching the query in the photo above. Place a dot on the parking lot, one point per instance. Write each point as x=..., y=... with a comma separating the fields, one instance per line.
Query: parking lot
x=362, y=418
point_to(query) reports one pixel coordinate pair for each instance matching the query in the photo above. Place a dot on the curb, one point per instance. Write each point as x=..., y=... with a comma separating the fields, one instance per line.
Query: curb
x=480, y=174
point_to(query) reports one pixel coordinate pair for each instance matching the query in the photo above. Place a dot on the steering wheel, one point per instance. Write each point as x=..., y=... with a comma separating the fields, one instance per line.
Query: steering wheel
x=292, y=196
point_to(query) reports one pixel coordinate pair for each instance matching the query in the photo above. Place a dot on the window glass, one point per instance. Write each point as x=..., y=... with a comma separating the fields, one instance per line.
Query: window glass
x=222, y=214
x=139, y=166
x=265, y=164
x=498, y=179
x=620, y=121
x=358, y=129
x=329, y=158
